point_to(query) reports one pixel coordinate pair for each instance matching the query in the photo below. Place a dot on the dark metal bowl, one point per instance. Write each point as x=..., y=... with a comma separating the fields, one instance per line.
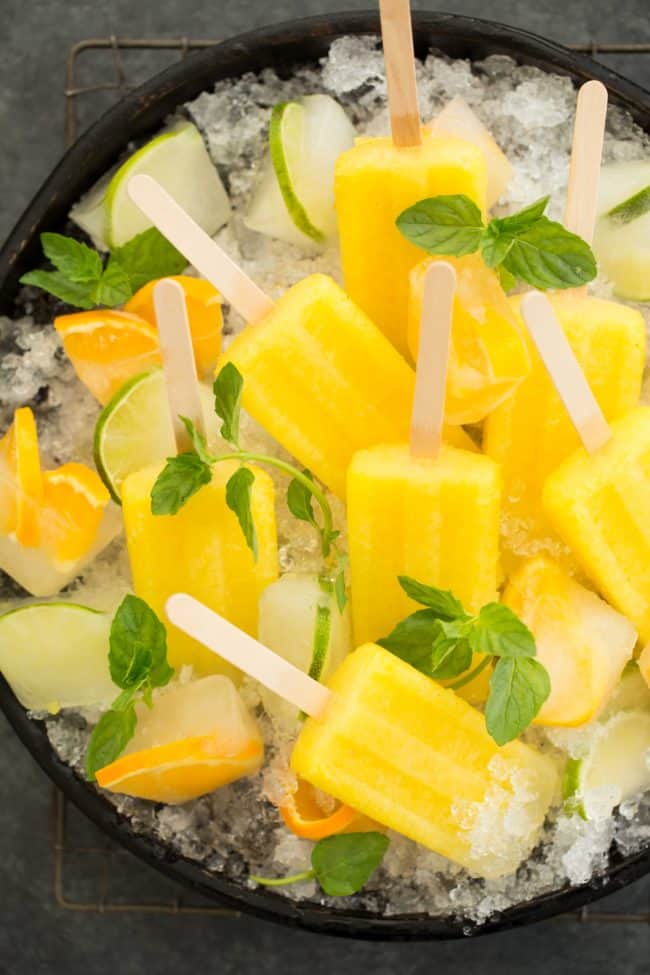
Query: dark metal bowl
x=135, y=117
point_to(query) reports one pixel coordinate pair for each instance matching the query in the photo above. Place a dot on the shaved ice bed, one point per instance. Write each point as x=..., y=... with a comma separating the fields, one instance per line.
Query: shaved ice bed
x=237, y=830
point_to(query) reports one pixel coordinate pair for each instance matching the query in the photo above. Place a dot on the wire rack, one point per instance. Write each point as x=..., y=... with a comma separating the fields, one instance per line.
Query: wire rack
x=91, y=873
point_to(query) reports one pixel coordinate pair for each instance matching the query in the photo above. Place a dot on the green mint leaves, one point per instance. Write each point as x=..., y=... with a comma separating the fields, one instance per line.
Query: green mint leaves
x=227, y=389
x=80, y=279
x=526, y=246
x=137, y=661
x=180, y=478
x=441, y=639
x=239, y=500
x=300, y=501
x=342, y=864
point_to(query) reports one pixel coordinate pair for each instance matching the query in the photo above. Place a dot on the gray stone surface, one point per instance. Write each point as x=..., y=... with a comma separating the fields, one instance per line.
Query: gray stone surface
x=37, y=935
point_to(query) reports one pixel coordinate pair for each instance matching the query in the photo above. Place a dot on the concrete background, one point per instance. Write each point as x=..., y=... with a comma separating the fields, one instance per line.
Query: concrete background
x=37, y=935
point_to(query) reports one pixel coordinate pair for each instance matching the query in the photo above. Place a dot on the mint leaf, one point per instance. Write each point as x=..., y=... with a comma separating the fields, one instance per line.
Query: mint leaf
x=181, y=477
x=451, y=654
x=77, y=262
x=343, y=864
x=138, y=646
x=522, y=220
x=198, y=440
x=548, y=256
x=500, y=632
x=238, y=499
x=518, y=688
x=508, y=280
x=113, y=288
x=631, y=209
x=442, y=601
x=495, y=246
x=57, y=284
x=300, y=500
x=147, y=257
x=111, y=735
x=227, y=389
x=412, y=639
x=448, y=225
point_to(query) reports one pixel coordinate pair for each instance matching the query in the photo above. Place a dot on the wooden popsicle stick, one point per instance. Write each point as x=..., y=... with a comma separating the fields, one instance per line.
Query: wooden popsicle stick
x=564, y=370
x=241, y=650
x=428, y=413
x=198, y=248
x=178, y=360
x=399, y=58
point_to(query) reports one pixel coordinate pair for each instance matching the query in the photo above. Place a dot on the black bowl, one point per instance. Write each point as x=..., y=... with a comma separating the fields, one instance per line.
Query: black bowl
x=135, y=117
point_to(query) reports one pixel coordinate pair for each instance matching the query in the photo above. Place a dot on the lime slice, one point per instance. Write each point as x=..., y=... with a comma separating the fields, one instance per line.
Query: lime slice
x=180, y=162
x=300, y=621
x=90, y=212
x=55, y=655
x=294, y=199
x=134, y=429
x=622, y=237
x=615, y=768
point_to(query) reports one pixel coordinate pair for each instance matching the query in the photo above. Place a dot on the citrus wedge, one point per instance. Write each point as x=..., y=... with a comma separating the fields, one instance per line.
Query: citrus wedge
x=204, y=312
x=72, y=510
x=312, y=815
x=622, y=237
x=194, y=739
x=55, y=655
x=21, y=482
x=107, y=347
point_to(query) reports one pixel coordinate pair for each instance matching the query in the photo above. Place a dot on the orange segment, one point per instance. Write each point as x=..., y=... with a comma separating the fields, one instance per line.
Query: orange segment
x=304, y=812
x=180, y=771
x=204, y=313
x=108, y=347
x=21, y=481
x=74, y=500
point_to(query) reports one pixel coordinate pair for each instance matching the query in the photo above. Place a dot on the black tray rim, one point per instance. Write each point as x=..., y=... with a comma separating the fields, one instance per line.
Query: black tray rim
x=285, y=44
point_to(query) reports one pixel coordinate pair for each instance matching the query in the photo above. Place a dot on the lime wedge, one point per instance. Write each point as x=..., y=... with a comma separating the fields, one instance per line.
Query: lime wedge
x=294, y=198
x=631, y=693
x=55, y=655
x=622, y=237
x=134, y=429
x=178, y=159
x=615, y=768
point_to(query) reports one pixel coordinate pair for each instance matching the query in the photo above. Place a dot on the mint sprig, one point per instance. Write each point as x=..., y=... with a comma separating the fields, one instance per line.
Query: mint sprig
x=441, y=640
x=342, y=864
x=80, y=278
x=525, y=246
x=137, y=661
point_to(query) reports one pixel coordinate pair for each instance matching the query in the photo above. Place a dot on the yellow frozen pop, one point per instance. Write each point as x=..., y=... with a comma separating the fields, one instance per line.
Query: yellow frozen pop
x=598, y=500
x=530, y=433
x=401, y=749
x=379, y=178
x=318, y=375
x=201, y=548
x=422, y=509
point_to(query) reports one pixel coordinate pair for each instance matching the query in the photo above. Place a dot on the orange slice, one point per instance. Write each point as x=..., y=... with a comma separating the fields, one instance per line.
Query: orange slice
x=204, y=313
x=304, y=813
x=180, y=771
x=74, y=500
x=107, y=347
x=21, y=481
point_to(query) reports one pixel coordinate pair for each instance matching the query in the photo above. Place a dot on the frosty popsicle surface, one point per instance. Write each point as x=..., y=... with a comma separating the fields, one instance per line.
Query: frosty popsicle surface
x=401, y=749
x=379, y=178
x=318, y=375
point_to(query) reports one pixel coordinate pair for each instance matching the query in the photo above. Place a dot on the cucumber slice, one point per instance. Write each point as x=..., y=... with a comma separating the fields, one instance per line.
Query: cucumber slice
x=300, y=620
x=294, y=199
x=178, y=159
x=622, y=237
x=615, y=768
x=55, y=655
x=134, y=429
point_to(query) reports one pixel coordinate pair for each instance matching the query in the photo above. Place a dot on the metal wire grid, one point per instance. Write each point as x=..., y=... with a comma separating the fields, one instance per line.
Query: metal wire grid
x=92, y=888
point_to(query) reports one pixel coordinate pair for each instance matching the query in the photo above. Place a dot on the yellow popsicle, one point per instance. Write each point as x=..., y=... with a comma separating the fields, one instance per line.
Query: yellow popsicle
x=530, y=434
x=599, y=504
x=377, y=180
x=201, y=550
x=398, y=747
x=323, y=380
x=583, y=643
x=489, y=355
